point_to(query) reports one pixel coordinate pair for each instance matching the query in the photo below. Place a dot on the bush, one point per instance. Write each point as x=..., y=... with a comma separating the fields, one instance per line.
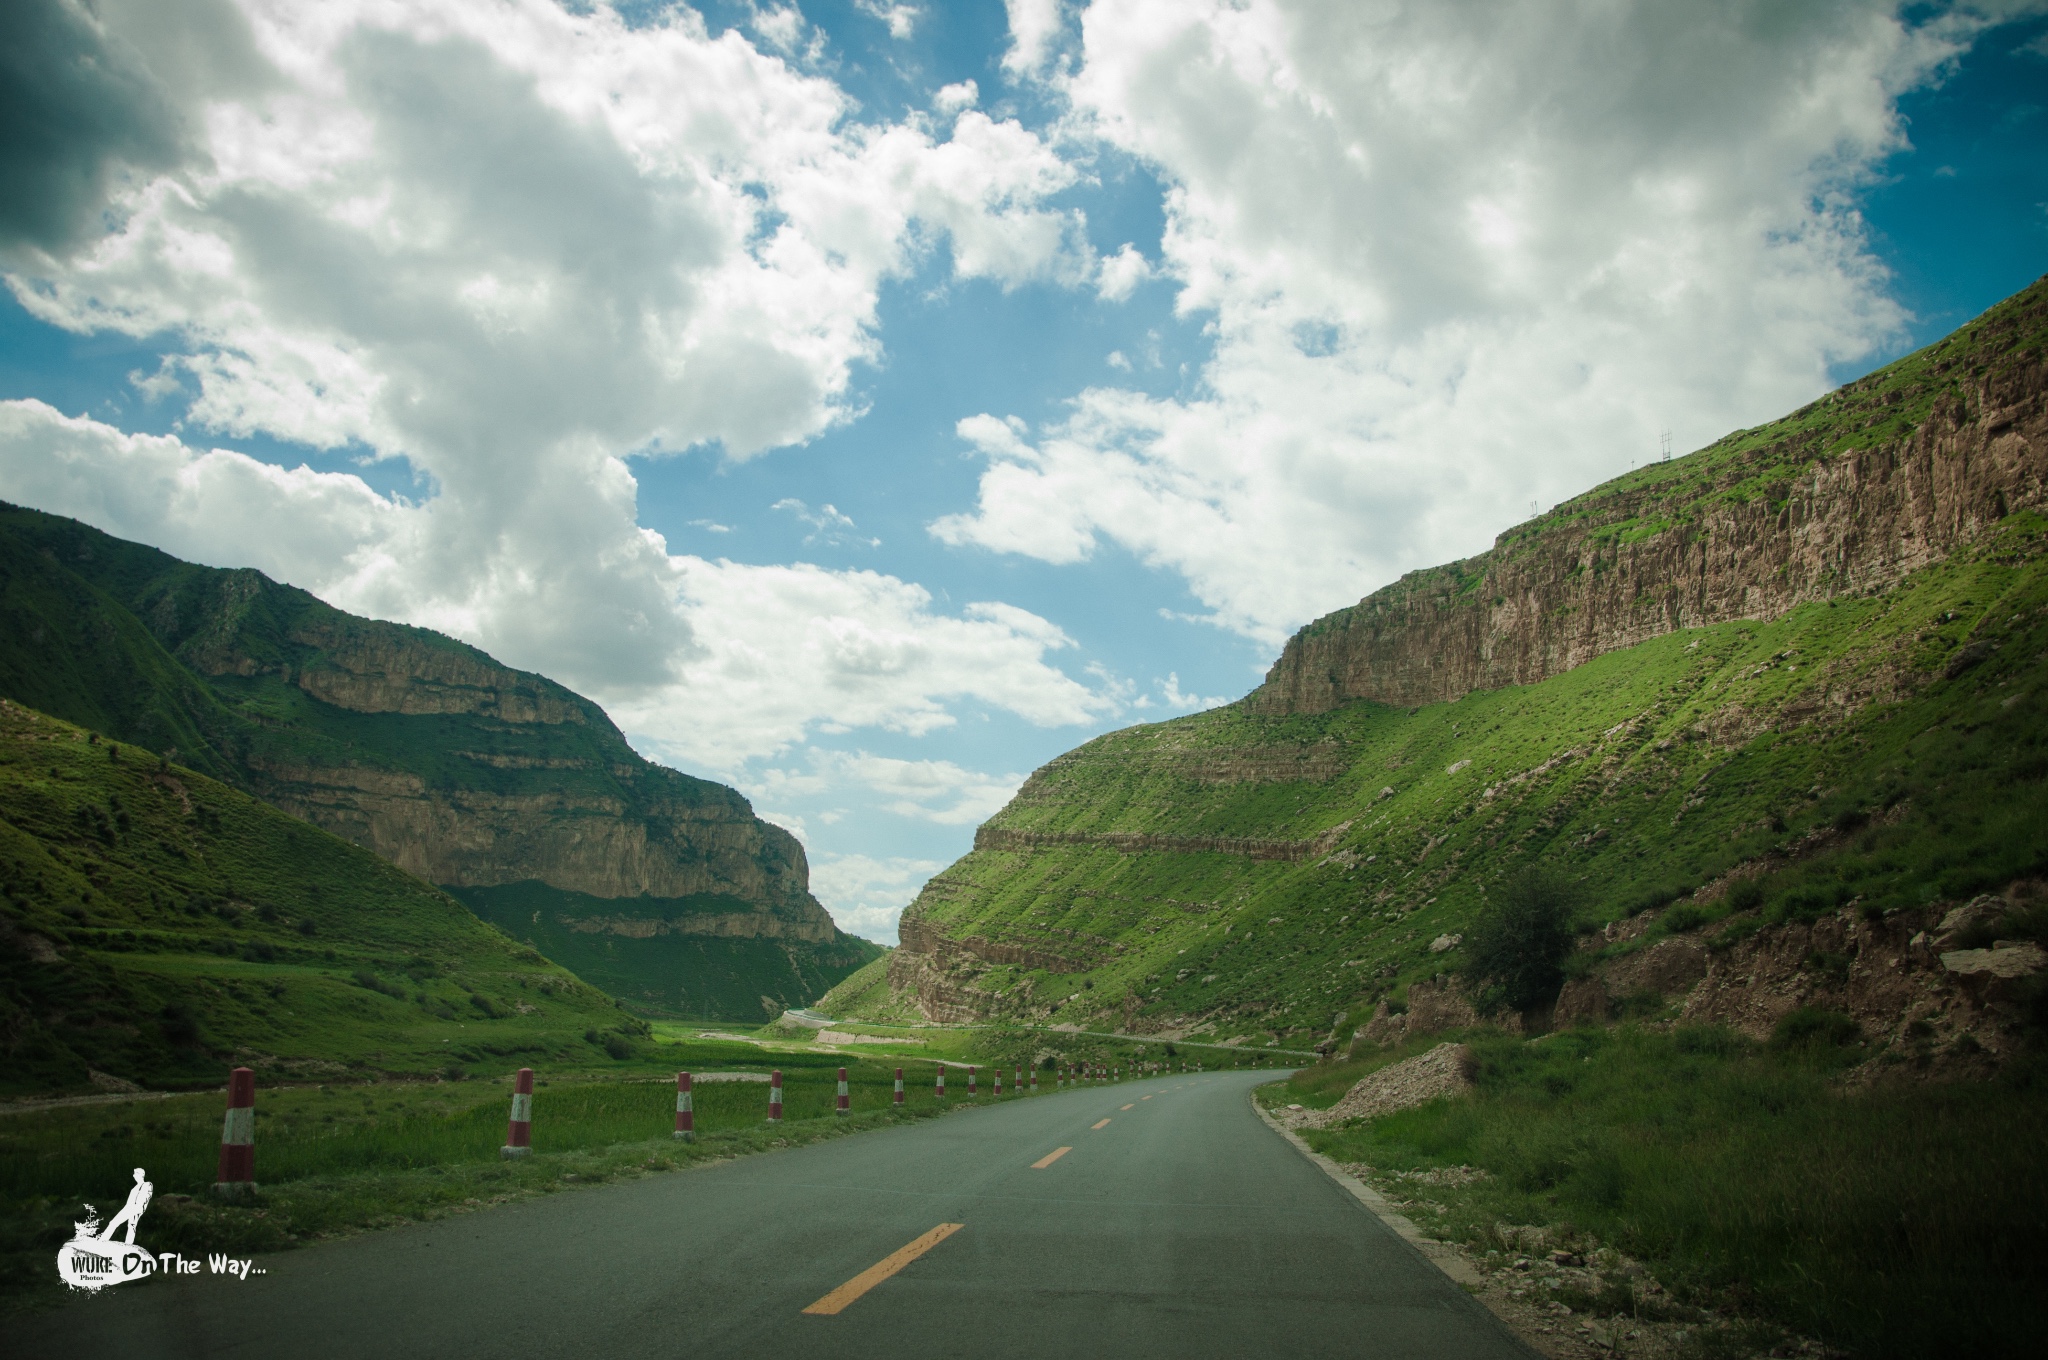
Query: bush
x=1516, y=948
x=1746, y=894
x=1815, y=1027
x=1685, y=916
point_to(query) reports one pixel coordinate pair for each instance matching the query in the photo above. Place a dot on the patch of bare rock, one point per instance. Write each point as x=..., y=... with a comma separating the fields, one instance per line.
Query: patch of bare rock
x=1445, y=1070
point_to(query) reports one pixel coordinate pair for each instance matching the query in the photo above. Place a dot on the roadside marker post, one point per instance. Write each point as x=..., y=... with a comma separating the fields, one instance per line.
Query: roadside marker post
x=939, y=1084
x=899, y=1086
x=519, y=1129
x=236, y=1176
x=970, y=1083
x=845, y=1108
x=686, y=1117
x=999, y=1083
x=1019, y=1083
x=1034, y=1079
x=775, y=1096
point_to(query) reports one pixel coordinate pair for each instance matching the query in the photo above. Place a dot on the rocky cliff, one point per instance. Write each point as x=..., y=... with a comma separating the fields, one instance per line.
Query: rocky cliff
x=459, y=770
x=1720, y=665
x=1848, y=496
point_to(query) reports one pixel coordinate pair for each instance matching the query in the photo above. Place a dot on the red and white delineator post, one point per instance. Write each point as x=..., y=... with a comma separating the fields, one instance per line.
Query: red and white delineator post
x=970, y=1083
x=899, y=1086
x=519, y=1128
x=237, y=1174
x=999, y=1083
x=775, y=1096
x=686, y=1115
x=1034, y=1079
x=845, y=1108
x=939, y=1083
x=1019, y=1083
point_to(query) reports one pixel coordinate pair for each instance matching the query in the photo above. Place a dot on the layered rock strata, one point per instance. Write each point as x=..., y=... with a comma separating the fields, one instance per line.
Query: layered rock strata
x=1748, y=529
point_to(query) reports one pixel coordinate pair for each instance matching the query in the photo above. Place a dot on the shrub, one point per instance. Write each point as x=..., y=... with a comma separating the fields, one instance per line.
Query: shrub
x=1685, y=916
x=1815, y=1027
x=1516, y=948
x=1746, y=894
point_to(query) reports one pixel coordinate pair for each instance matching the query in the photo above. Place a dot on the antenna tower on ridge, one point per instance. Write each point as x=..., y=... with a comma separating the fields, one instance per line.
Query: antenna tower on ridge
x=1664, y=446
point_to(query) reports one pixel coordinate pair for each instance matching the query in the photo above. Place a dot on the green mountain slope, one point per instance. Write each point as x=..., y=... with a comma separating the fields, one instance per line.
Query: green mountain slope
x=1268, y=867
x=457, y=769
x=156, y=925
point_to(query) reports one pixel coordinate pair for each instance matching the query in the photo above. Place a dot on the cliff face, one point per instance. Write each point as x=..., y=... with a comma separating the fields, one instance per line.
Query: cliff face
x=1817, y=506
x=1720, y=665
x=455, y=768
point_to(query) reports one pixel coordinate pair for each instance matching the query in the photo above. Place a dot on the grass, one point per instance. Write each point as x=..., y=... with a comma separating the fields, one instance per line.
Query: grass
x=163, y=925
x=335, y=1158
x=1638, y=777
x=1894, y=1221
x=226, y=668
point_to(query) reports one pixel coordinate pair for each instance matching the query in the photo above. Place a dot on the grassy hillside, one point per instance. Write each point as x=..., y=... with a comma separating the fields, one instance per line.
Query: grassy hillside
x=156, y=925
x=400, y=738
x=1888, y=751
x=670, y=975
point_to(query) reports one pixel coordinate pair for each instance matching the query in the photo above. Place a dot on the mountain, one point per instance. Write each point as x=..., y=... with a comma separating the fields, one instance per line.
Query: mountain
x=156, y=924
x=507, y=789
x=1773, y=712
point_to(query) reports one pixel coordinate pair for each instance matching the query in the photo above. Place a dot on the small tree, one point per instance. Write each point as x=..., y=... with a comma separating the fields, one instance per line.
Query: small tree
x=1515, y=950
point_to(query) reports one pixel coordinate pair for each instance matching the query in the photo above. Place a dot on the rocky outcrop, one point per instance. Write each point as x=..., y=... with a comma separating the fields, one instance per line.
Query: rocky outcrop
x=1748, y=529
x=455, y=767
x=1131, y=843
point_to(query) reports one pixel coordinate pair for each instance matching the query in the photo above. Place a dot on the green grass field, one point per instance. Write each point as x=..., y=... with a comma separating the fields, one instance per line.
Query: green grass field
x=1897, y=1220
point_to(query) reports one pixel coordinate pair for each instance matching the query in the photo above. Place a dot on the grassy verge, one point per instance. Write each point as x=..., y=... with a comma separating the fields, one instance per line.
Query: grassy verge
x=333, y=1159
x=1898, y=1221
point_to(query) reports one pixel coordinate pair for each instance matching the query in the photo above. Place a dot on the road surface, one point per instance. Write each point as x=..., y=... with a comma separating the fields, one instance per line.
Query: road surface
x=1179, y=1227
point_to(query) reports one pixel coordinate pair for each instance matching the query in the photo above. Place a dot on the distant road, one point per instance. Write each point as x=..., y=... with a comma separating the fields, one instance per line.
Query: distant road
x=1181, y=1227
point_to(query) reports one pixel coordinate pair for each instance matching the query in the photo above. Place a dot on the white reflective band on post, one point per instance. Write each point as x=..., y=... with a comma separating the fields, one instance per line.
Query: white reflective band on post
x=239, y=1128
x=683, y=1102
x=522, y=1109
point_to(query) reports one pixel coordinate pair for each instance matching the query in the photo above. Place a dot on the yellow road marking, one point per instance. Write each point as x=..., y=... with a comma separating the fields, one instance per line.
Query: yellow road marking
x=1098, y=1123
x=1049, y=1158
x=1144, y=1097
x=1130, y=1107
x=838, y=1299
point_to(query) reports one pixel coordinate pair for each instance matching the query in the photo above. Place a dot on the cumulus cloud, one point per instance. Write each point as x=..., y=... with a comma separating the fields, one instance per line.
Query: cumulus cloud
x=867, y=895
x=936, y=791
x=1118, y=276
x=511, y=243
x=1034, y=28
x=745, y=659
x=900, y=19
x=1455, y=258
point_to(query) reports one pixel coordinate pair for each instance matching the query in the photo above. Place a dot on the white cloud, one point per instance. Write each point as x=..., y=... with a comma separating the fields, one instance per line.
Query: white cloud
x=710, y=663
x=1034, y=27
x=510, y=243
x=1119, y=275
x=828, y=525
x=936, y=791
x=866, y=896
x=1454, y=258
x=901, y=19
x=952, y=98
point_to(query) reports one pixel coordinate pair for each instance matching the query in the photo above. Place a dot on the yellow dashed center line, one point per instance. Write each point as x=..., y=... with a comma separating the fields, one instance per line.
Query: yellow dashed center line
x=1098, y=1123
x=838, y=1299
x=1130, y=1107
x=1144, y=1097
x=1049, y=1158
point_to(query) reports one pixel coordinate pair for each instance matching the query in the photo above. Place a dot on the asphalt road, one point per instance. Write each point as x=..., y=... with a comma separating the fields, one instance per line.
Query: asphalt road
x=1183, y=1227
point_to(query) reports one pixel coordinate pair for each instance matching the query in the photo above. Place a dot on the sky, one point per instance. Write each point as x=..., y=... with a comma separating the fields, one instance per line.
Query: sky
x=868, y=401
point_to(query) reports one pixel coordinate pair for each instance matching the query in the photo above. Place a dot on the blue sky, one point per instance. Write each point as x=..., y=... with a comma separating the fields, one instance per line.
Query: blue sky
x=869, y=401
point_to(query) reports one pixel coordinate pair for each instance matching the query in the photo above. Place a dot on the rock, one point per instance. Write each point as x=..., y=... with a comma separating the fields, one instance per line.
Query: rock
x=1444, y=943
x=1582, y=1000
x=2006, y=960
x=1435, y=1074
